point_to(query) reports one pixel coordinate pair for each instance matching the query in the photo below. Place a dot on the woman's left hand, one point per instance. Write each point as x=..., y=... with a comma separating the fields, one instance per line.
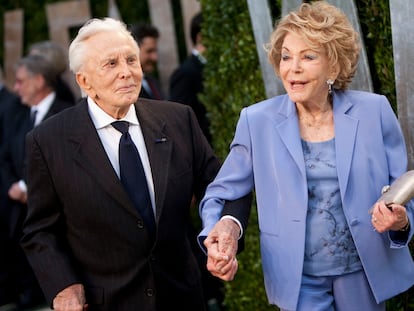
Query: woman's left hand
x=386, y=218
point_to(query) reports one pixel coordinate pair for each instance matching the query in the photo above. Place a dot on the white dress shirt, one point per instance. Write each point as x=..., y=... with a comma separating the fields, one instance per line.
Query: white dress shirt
x=41, y=110
x=43, y=107
x=110, y=140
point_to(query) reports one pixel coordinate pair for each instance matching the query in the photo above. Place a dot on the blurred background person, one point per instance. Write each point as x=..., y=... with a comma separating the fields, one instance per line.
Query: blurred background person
x=147, y=36
x=186, y=82
x=35, y=85
x=9, y=102
x=56, y=55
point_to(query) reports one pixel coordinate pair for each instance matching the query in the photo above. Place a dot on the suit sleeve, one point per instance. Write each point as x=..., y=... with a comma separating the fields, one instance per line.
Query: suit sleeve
x=42, y=238
x=230, y=192
x=394, y=146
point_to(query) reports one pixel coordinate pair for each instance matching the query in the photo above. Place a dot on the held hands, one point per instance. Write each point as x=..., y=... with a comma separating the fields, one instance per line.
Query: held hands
x=386, y=218
x=221, y=246
x=72, y=298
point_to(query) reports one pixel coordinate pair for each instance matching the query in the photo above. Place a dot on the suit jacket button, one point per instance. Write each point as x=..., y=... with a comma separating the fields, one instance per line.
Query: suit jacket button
x=149, y=292
x=140, y=224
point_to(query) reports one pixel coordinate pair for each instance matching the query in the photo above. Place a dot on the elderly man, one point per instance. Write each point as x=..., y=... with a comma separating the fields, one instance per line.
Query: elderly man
x=96, y=239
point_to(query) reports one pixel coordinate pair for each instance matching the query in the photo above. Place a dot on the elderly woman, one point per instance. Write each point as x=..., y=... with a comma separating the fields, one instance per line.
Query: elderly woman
x=317, y=159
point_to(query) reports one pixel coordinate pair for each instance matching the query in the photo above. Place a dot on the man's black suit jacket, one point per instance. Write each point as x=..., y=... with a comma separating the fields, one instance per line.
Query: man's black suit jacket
x=186, y=84
x=8, y=103
x=12, y=158
x=83, y=228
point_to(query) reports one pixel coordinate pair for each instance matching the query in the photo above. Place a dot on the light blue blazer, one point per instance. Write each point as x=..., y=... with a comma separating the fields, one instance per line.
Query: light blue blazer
x=266, y=154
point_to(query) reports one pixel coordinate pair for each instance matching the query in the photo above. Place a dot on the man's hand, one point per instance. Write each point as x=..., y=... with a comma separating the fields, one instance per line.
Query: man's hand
x=388, y=218
x=72, y=298
x=16, y=193
x=221, y=246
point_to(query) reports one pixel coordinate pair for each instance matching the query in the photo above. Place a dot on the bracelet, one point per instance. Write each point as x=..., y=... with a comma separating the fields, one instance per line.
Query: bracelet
x=406, y=227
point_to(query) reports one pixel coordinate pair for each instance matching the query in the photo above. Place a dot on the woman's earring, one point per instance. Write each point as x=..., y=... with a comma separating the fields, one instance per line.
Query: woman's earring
x=330, y=83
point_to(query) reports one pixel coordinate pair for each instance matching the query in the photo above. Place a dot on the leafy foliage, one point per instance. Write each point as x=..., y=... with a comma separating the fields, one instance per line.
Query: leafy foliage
x=232, y=74
x=375, y=23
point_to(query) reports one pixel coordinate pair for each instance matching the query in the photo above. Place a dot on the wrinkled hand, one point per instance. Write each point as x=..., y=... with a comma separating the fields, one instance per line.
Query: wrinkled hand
x=221, y=244
x=72, y=298
x=16, y=193
x=383, y=218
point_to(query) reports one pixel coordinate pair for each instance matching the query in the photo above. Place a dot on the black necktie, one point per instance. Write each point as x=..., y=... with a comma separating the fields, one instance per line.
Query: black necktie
x=133, y=176
x=33, y=114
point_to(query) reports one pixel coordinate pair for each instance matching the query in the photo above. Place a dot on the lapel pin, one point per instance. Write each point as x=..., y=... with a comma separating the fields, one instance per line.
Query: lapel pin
x=160, y=140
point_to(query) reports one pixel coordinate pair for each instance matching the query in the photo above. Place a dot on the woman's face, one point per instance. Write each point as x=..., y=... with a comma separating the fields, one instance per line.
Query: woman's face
x=304, y=71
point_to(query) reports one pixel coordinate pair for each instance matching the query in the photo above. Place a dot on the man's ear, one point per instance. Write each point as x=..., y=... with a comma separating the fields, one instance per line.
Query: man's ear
x=39, y=81
x=83, y=83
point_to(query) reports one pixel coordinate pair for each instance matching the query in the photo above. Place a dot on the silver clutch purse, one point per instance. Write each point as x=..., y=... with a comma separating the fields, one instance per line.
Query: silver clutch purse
x=400, y=191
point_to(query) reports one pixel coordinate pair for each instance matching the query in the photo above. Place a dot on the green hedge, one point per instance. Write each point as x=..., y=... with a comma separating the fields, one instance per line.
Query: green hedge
x=233, y=81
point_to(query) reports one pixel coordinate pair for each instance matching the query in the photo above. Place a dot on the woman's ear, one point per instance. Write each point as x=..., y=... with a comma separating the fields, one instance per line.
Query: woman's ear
x=335, y=72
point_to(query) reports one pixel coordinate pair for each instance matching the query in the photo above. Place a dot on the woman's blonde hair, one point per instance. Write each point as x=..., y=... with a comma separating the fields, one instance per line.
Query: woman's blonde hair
x=321, y=25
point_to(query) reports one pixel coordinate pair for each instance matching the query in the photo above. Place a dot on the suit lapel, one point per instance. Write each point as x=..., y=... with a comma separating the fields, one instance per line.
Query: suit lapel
x=159, y=148
x=89, y=153
x=289, y=133
x=345, y=135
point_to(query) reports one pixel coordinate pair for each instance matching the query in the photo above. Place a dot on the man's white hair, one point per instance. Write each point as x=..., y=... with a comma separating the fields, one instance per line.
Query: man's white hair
x=77, y=49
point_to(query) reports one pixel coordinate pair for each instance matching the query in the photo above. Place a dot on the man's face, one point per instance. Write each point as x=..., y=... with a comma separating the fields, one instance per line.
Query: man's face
x=111, y=74
x=26, y=86
x=148, y=54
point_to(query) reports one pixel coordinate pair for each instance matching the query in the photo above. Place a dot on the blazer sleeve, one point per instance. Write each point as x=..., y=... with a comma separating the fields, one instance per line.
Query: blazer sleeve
x=230, y=192
x=394, y=145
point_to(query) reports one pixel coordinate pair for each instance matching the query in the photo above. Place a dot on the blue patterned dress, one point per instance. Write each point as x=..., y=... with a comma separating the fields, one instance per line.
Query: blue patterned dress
x=329, y=247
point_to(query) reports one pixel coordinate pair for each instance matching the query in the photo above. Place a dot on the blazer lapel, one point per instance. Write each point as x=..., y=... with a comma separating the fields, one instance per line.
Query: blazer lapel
x=289, y=133
x=89, y=153
x=159, y=148
x=345, y=135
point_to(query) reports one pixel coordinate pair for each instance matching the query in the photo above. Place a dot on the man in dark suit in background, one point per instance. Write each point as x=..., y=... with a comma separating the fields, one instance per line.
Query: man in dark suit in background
x=86, y=240
x=186, y=82
x=35, y=83
x=8, y=102
x=147, y=36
